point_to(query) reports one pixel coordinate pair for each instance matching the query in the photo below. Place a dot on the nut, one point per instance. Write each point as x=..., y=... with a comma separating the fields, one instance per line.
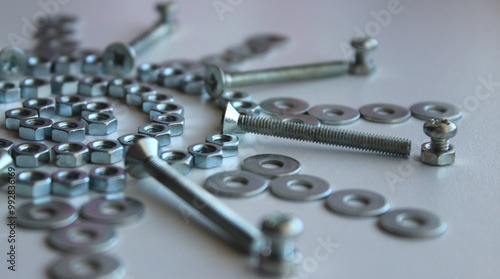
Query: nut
x=174, y=121
x=38, y=66
x=70, y=183
x=158, y=131
x=166, y=108
x=229, y=143
x=179, y=160
x=9, y=92
x=92, y=86
x=193, y=84
x=171, y=77
x=44, y=106
x=148, y=72
x=232, y=96
x=148, y=101
x=66, y=65
x=6, y=145
x=33, y=184
x=35, y=128
x=134, y=94
x=100, y=123
x=247, y=108
x=35, y=88
x=97, y=107
x=70, y=105
x=441, y=158
x=92, y=64
x=128, y=140
x=64, y=85
x=117, y=86
x=206, y=155
x=70, y=154
x=30, y=155
x=68, y=131
x=105, y=152
x=13, y=117
x=107, y=179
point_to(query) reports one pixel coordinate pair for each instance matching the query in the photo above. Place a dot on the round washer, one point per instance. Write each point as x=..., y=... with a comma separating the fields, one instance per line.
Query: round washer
x=315, y=187
x=46, y=215
x=121, y=210
x=100, y=267
x=298, y=118
x=83, y=237
x=431, y=110
x=412, y=222
x=282, y=165
x=368, y=203
x=245, y=183
x=284, y=106
x=385, y=113
x=334, y=114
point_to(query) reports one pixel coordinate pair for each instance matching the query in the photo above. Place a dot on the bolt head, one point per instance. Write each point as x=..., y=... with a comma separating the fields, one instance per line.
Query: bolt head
x=138, y=153
x=215, y=81
x=118, y=59
x=440, y=128
x=229, y=120
x=12, y=62
x=281, y=225
x=364, y=43
x=431, y=157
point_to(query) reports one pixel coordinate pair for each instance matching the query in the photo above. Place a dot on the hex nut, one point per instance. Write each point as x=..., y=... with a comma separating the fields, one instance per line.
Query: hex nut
x=44, y=106
x=70, y=183
x=179, y=160
x=232, y=96
x=107, y=179
x=9, y=92
x=35, y=88
x=158, y=131
x=38, y=66
x=117, y=86
x=13, y=117
x=68, y=131
x=148, y=72
x=229, y=143
x=105, y=152
x=247, y=108
x=206, y=155
x=93, y=86
x=66, y=65
x=128, y=140
x=166, y=108
x=148, y=101
x=31, y=155
x=70, y=154
x=174, y=121
x=70, y=105
x=64, y=84
x=135, y=93
x=100, y=123
x=171, y=77
x=432, y=157
x=33, y=184
x=35, y=128
x=6, y=145
x=193, y=84
x=97, y=107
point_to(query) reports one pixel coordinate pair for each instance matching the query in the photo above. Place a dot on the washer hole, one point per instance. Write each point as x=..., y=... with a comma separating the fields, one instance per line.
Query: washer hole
x=435, y=109
x=284, y=104
x=299, y=185
x=111, y=208
x=411, y=221
x=82, y=235
x=333, y=112
x=236, y=181
x=272, y=164
x=384, y=111
x=43, y=213
x=85, y=267
x=357, y=201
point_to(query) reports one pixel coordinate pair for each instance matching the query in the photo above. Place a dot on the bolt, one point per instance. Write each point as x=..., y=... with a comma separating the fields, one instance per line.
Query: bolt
x=119, y=58
x=232, y=121
x=439, y=151
x=12, y=62
x=142, y=160
x=362, y=65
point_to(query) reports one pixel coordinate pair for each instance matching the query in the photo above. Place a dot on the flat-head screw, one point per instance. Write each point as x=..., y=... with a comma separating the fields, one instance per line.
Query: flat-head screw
x=362, y=64
x=439, y=151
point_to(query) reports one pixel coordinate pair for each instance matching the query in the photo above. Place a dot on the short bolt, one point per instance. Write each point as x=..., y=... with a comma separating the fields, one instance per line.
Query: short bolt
x=362, y=64
x=439, y=151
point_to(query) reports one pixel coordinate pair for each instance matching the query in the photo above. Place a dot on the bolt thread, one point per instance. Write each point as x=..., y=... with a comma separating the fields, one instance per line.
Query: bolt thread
x=440, y=145
x=336, y=137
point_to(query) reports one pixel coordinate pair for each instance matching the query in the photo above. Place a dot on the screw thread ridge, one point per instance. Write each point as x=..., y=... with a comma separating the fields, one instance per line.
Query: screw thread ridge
x=440, y=145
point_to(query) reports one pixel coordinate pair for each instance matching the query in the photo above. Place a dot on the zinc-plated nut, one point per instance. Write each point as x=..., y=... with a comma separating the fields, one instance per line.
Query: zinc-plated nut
x=13, y=117
x=158, y=131
x=6, y=145
x=166, y=108
x=33, y=184
x=439, y=151
x=35, y=128
x=70, y=154
x=229, y=143
x=206, y=155
x=135, y=93
x=174, y=121
x=105, y=152
x=38, y=66
x=100, y=123
x=247, y=108
x=232, y=96
x=68, y=131
x=70, y=105
x=148, y=101
x=93, y=86
x=30, y=155
x=93, y=107
x=179, y=160
x=117, y=86
x=9, y=92
x=171, y=77
x=128, y=140
x=107, y=179
x=70, y=183
x=66, y=65
x=64, y=85
x=35, y=88
x=193, y=84
x=92, y=64
x=148, y=72
x=44, y=106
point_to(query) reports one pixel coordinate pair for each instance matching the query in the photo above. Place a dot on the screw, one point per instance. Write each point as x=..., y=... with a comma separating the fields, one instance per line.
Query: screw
x=439, y=151
x=12, y=62
x=119, y=58
x=233, y=121
x=142, y=160
x=362, y=65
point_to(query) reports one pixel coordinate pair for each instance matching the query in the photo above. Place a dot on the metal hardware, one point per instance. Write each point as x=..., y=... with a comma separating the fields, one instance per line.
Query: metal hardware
x=83, y=237
x=412, y=222
x=357, y=202
x=113, y=210
x=334, y=114
x=69, y=267
x=300, y=187
x=439, y=151
x=431, y=110
x=46, y=215
x=236, y=184
x=385, y=113
x=271, y=165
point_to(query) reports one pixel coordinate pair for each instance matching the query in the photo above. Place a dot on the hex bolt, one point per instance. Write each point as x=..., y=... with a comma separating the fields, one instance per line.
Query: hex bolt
x=439, y=151
x=362, y=64
x=119, y=58
x=142, y=160
x=232, y=122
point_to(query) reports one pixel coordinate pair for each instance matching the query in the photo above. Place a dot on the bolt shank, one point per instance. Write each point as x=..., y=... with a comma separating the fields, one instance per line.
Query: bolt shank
x=149, y=37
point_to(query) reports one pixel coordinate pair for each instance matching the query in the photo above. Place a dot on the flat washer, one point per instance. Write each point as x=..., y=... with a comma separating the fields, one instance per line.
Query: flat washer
x=83, y=237
x=316, y=188
x=284, y=106
x=46, y=215
x=334, y=114
x=103, y=267
x=298, y=118
x=220, y=184
x=283, y=165
x=430, y=110
x=371, y=203
x=385, y=113
x=125, y=210
x=424, y=223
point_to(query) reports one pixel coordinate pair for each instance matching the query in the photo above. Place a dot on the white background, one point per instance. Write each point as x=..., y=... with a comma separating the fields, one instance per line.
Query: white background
x=429, y=50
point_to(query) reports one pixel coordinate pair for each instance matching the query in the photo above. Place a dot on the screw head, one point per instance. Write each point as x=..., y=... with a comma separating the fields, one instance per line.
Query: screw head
x=440, y=128
x=364, y=44
x=229, y=120
x=118, y=59
x=281, y=225
x=215, y=81
x=138, y=153
x=12, y=62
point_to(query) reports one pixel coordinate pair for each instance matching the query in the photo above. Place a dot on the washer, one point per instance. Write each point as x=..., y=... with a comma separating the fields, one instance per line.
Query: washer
x=282, y=165
x=100, y=266
x=220, y=184
x=385, y=113
x=83, y=237
x=424, y=223
x=284, y=106
x=46, y=215
x=370, y=203
x=298, y=118
x=431, y=110
x=334, y=114
x=315, y=187
x=122, y=210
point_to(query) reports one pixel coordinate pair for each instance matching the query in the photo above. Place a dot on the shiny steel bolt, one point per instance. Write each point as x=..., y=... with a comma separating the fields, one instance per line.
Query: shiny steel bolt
x=142, y=160
x=362, y=64
x=232, y=121
x=439, y=151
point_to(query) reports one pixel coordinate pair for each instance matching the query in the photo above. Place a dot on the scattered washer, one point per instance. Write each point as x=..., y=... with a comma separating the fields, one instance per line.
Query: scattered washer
x=113, y=211
x=284, y=106
x=368, y=203
x=334, y=114
x=46, y=215
x=385, y=113
x=235, y=184
x=280, y=165
x=431, y=110
x=412, y=222
x=315, y=187
x=298, y=118
x=83, y=237
x=103, y=267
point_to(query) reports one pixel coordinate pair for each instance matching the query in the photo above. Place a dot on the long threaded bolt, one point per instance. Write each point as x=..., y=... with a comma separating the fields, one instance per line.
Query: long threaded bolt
x=142, y=160
x=232, y=121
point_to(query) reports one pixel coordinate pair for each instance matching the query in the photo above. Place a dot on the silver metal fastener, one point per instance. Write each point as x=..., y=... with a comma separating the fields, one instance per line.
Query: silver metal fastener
x=439, y=151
